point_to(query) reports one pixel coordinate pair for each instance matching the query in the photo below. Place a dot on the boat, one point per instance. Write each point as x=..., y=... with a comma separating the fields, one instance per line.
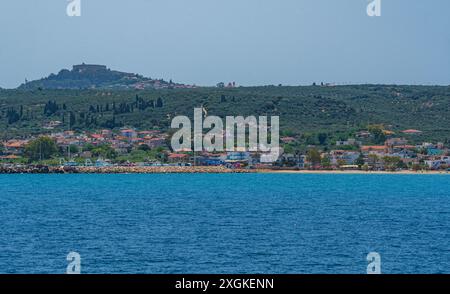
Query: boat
x=71, y=163
x=101, y=163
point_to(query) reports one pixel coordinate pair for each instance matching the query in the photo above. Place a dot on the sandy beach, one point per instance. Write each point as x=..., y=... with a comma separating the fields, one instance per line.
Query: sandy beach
x=356, y=172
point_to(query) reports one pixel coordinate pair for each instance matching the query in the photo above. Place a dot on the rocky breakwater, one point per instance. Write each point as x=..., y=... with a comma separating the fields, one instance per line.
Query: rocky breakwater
x=159, y=169
x=42, y=169
x=28, y=169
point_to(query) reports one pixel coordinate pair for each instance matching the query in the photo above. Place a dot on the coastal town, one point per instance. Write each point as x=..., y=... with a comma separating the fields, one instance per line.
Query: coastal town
x=129, y=149
x=93, y=118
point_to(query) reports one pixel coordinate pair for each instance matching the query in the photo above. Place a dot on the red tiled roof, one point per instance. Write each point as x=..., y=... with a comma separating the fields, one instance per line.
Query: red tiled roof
x=176, y=156
x=97, y=136
x=9, y=157
x=373, y=148
x=15, y=144
x=411, y=132
x=405, y=146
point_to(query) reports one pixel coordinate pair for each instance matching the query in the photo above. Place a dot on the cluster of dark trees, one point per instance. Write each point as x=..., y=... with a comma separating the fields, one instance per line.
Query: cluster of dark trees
x=89, y=118
x=224, y=99
x=13, y=116
x=51, y=107
x=125, y=107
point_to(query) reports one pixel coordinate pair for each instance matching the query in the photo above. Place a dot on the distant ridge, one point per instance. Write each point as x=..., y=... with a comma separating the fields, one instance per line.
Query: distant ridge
x=93, y=76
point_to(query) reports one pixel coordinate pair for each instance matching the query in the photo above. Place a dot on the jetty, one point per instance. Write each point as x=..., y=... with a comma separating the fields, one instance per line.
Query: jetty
x=41, y=169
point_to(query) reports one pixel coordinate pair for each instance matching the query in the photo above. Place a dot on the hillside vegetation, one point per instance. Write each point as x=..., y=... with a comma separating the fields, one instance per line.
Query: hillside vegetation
x=337, y=111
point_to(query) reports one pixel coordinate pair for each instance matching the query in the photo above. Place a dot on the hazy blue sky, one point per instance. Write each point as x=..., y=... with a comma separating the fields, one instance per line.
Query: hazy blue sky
x=252, y=42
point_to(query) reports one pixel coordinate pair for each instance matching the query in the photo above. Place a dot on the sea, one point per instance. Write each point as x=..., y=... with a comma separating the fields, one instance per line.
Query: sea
x=225, y=223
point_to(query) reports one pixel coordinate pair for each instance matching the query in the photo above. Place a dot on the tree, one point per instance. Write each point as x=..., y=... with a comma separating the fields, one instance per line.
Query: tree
x=373, y=159
x=322, y=137
x=50, y=108
x=341, y=162
x=402, y=165
x=12, y=115
x=326, y=162
x=73, y=149
x=72, y=119
x=159, y=102
x=41, y=149
x=360, y=160
x=314, y=156
x=144, y=147
x=309, y=139
x=391, y=162
x=378, y=135
x=416, y=167
x=105, y=151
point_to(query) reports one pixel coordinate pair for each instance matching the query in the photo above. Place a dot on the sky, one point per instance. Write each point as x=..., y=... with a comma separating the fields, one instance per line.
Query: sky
x=251, y=42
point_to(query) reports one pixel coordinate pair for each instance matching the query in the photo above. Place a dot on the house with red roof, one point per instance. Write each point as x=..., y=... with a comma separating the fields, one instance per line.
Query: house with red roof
x=412, y=132
x=128, y=133
x=14, y=146
x=178, y=158
x=97, y=137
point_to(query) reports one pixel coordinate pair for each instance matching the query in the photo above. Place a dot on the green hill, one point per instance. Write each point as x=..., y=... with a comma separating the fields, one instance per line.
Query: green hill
x=90, y=76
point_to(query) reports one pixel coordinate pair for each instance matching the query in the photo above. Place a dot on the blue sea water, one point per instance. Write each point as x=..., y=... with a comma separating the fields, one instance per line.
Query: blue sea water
x=225, y=223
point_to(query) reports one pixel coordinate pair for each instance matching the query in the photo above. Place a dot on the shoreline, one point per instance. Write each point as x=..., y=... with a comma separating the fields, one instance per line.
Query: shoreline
x=355, y=172
x=121, y=170
x=194, y=170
